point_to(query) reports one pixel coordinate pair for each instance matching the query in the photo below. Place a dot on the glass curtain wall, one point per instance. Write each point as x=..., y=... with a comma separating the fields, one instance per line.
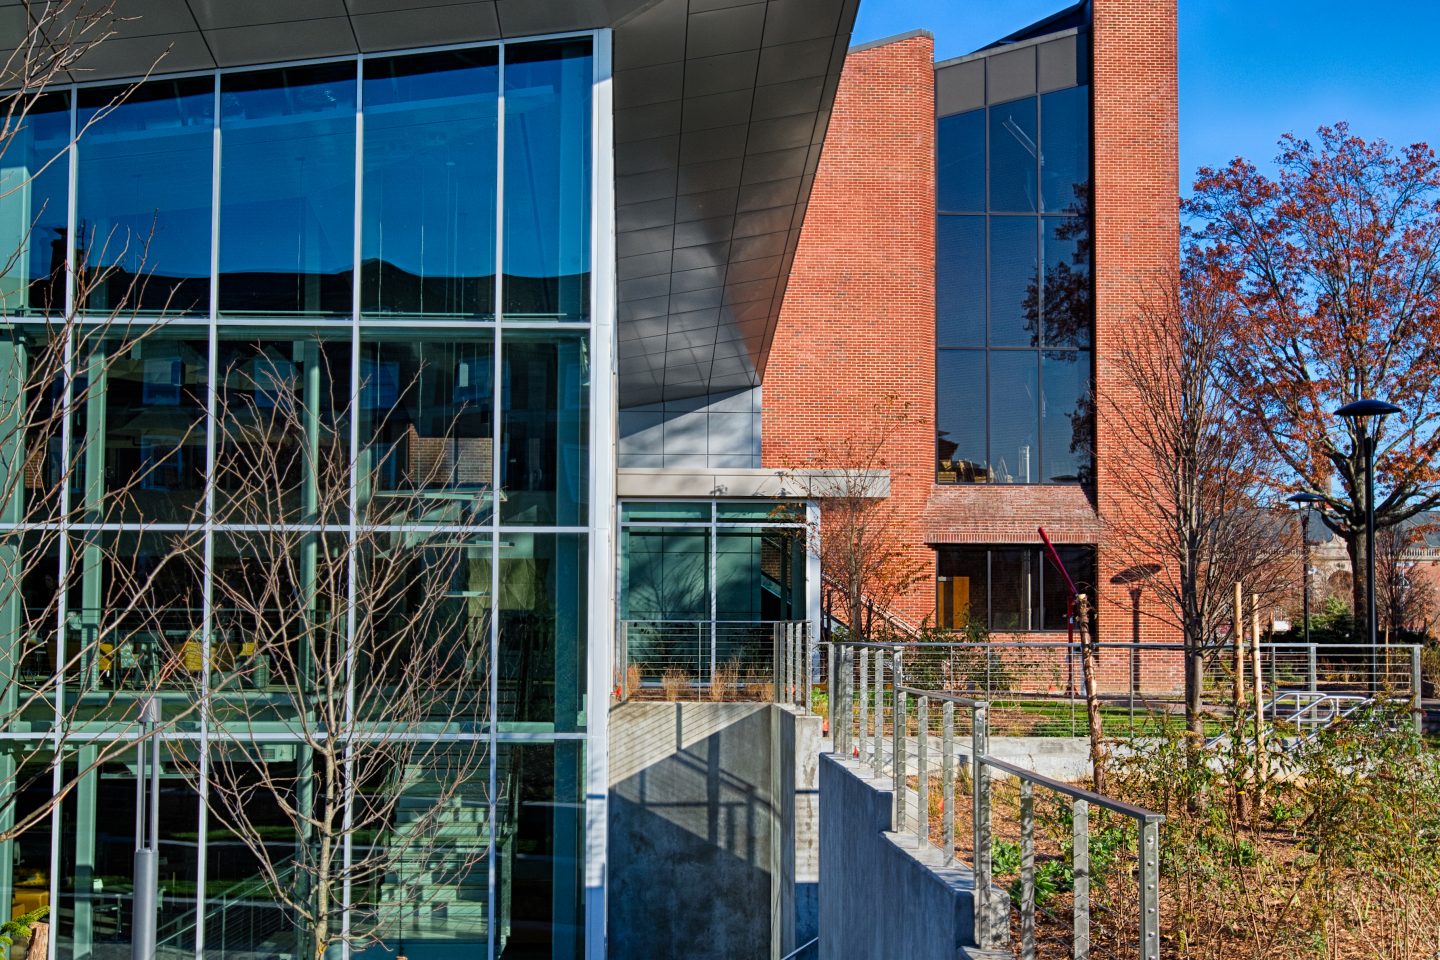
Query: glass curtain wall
x=1013, y=292
x=344, y=438
x=1008, y=589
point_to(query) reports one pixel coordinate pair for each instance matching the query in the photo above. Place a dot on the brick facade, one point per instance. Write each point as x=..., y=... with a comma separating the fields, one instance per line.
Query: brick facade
x=858, y=321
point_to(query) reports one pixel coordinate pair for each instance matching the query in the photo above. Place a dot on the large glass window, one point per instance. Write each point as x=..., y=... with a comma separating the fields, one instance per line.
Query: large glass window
x=1015, y=286
x=427, y=427
x=145, y=187
x=544, y=439
x=428, y=237
x=287, y=190
x=547, y=180
x=34, y=207
x=1009, y=589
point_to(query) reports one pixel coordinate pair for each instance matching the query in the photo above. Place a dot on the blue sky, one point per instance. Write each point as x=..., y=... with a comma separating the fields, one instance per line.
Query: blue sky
x=1250, y=70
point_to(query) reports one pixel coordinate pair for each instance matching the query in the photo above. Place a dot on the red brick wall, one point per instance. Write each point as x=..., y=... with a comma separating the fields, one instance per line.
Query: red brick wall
x=858, y=321
x=1136, y=187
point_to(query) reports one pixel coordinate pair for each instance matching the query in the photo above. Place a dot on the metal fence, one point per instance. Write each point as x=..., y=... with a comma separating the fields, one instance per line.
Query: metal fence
x=1038, y=688
x=715, y=660
x=920, y=738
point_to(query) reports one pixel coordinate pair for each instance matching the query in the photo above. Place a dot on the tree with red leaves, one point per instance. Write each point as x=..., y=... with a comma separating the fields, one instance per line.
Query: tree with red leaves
x=1335, y=266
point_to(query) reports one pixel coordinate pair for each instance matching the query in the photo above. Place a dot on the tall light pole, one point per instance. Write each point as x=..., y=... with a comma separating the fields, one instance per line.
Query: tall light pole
x=147, y=835
x=1367, y=414
x=1305, y=501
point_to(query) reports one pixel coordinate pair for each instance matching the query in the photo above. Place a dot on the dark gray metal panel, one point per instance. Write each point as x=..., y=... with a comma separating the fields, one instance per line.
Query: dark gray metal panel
x=1011, y=74
x=959, y=87
x=1059, y=63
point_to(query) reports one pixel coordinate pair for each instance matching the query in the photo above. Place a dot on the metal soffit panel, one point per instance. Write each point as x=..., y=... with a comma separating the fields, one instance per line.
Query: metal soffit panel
x=720, y=112
x=721, y=108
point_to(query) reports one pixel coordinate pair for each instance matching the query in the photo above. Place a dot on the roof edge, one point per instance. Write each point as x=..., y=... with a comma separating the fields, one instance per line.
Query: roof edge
x=883, y=41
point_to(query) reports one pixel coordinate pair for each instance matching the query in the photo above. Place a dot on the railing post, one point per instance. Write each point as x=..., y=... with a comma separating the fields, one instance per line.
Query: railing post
x=922, y=770
x=980, y=822
x=897, y=749
x=1080, y=814
x=1314, y=670
x=1027, y=870
x=624, y=659
x=1150, y=888
x=830, y=699
x=842, y=706
x=947, y=775
x=877, y=743
x=1417, y=715
x=777, y=663
x=862, y=734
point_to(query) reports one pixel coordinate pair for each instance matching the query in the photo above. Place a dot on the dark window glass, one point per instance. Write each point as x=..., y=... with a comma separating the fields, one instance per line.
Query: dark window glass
x=1014, y=589
x=1065, y=142
x=1014, y=416
x=665, y=575
x=1014, y=282
x=287, y=190
x=547, y=179
x=542, y=629
x=1080, y=565
x=428, y=228
x=1066, y=416
x=960, y=416
x=34, y=207
x=427, y=428
x=1013, y=157
x=962, y=590
x=146, y=428
x=960, y=282
x=960, y=162
x=282, y=452
x=543, y=911
x=1068, y=301
x=757, y=573
x=544, y=425
x=144, y=196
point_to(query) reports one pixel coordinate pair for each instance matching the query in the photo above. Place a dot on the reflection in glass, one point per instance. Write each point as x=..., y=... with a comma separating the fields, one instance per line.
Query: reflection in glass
x=1013, y=157
x=427, y=428
x=1014, y=589
x=144, y=426
x=34, y=207
x=1080, y=564
x=1014, y=416
x=1067, y=417
x=1069, y=303
x=664, y=575
x=960, y=416
x=287, y=190
x=962, y=587
x=32, y=386
x=960, y=162
x=544, y=469
x=1014, y=282
x=143, y=207
x=95, y=918
x=547, y=179
x=30, y=595
x=543, y=629
x=282, y=452
x=960, y=282
x=1065, y=141
x=541, y=813
x=428, y=232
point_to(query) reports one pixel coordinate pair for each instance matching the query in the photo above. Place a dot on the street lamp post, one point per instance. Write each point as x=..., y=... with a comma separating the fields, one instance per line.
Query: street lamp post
x=1365, y=413
x=1305, y=500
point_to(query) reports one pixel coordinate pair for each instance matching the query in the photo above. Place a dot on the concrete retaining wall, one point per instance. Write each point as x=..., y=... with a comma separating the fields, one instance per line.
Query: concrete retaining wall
x=883, y=895
x=712, y=831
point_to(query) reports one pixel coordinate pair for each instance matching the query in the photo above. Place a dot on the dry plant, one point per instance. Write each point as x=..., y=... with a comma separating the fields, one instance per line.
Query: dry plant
x=674, y=683
x=367, y=644
x=725, y=681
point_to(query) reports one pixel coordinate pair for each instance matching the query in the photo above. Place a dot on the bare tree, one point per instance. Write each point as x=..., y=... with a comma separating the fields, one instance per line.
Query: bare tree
x=1189, y=460
x=85, y=618
x=361, y=640
x=864, y=554
x=1404, y=595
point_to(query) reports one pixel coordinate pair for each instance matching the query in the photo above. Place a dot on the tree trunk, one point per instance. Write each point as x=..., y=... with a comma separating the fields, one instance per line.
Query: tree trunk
x=1194, y=692
x=1355, y=547
x=1092, y=697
